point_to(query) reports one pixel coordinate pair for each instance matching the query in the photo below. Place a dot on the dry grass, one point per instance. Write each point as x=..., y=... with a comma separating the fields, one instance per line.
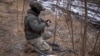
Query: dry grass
x=12, y=37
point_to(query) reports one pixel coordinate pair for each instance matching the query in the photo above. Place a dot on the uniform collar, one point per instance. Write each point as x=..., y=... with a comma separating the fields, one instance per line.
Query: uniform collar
x=32, y=12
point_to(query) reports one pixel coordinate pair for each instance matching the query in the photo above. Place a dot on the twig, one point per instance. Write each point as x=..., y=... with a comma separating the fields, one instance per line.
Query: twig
x=95, y=44
x=84, y=38
x=55, y=25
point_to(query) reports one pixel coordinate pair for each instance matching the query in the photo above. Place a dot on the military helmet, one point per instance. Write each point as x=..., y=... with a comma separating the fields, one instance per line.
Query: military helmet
x=37, y=5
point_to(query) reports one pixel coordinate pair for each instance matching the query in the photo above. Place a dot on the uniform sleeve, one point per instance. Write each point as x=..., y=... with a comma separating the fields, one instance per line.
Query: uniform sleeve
x=37, y=27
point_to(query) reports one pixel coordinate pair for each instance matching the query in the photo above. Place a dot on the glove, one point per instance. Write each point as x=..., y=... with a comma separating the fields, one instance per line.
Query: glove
x=48, y=22
x=45, y=21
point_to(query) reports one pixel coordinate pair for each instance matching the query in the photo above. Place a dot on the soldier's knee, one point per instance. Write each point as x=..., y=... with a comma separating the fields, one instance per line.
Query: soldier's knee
x=47, y=35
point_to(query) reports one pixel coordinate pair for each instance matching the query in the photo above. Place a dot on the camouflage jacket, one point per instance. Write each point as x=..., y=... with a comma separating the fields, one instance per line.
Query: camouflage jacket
x=33, y=27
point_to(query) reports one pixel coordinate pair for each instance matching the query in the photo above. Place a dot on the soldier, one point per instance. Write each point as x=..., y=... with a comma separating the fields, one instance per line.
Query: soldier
x=34, y=28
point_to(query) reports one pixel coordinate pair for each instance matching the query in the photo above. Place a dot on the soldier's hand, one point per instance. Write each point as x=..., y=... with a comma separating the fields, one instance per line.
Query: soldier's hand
x=41, y=20
x=48, y=22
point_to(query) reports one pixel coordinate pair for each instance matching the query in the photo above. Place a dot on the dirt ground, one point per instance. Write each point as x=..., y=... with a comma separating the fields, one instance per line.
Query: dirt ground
x=12, y=39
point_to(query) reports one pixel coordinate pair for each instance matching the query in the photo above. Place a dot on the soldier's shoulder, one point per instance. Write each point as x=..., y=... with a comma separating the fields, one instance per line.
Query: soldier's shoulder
x=31, y=17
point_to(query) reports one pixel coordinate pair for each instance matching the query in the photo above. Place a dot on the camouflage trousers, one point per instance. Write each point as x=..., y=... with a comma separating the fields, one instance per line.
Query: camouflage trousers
x=40, y=42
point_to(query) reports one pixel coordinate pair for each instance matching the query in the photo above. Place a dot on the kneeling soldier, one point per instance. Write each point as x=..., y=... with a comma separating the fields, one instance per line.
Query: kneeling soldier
x=34, y=28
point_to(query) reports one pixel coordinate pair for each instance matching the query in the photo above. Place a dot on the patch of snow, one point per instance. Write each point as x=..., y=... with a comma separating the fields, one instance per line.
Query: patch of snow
x=79, y=9
x=98, y=18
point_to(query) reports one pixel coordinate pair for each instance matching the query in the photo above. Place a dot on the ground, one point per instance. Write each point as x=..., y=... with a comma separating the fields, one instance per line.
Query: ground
x=12, y=38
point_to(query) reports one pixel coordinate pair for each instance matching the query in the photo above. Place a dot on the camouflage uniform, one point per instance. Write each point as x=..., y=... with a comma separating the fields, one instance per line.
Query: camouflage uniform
x=34, y=28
